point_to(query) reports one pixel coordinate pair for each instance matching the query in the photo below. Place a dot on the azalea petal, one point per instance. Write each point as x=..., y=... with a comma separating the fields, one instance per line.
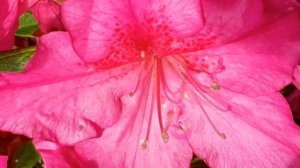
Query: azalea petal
x=8, y=23
x=99, y=31
x=48, y=15
x=174, y=12
x=264, y=62
x=3, y=161
x=55, y=155
x=91, y=24
x=57, y=99
x=95, y=24
x=297, y=76
x=233, y=19
x=261, y=63
x=259, y=131
x=123, y=145
x=229, y=19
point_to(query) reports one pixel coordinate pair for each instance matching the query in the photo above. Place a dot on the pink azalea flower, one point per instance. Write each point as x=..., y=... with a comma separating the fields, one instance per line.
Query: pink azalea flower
x=8, y=23
x=47, y=13
x=3, y=161
x=10, y=10
x=165, y=79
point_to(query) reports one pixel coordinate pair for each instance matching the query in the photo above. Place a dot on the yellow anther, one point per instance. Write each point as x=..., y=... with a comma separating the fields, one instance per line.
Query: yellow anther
x=144, y=143
x=215, y=86
x=165, y=136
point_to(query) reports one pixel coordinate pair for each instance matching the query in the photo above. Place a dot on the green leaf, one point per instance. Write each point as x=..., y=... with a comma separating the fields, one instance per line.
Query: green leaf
x=27, y=157
x=15, y=60
x=27, y=25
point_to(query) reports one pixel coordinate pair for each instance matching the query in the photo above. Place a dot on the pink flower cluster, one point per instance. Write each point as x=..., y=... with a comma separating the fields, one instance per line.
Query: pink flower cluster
x=148, y=83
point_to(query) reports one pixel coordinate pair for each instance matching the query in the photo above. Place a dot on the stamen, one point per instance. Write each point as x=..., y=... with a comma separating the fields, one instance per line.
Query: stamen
x=182, y=72
x=170, y=116
x=158, y=98
x=215, y=86
x=221, y=134
x=141, y=107
x=139, y=80
x=165, y=136
x=151, y=110
x=144, y=143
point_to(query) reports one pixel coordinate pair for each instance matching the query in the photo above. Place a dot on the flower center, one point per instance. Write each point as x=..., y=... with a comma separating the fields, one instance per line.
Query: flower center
x=162, y=54
x=155, y=91
x=149, y=80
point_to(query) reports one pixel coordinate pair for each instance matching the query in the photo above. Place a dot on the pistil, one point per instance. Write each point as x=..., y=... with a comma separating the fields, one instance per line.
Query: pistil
x=164, y=133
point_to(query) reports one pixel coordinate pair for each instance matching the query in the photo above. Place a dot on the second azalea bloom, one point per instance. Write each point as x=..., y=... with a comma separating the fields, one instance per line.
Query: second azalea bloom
x=47, y=13
x=153, y=82
x=9, y=23
x=10, y=11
